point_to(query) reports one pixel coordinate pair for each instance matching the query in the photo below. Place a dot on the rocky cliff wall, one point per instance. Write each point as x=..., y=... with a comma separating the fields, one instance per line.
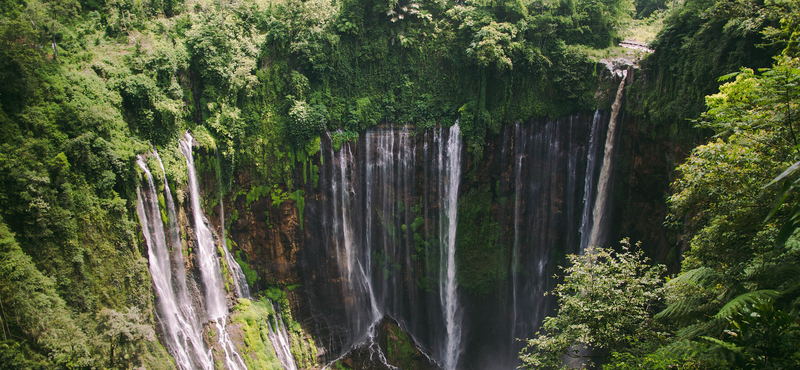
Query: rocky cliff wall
x=521, y=208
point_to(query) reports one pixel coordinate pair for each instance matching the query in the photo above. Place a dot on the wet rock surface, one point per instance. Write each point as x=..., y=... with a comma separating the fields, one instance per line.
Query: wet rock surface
x=393, y=348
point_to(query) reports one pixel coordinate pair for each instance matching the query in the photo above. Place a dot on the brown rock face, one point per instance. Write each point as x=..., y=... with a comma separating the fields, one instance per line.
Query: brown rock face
x=269, y=235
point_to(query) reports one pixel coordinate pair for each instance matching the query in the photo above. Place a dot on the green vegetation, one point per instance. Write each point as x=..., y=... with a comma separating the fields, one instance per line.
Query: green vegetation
x=302, y=344
x=87, y=85
x=254, y=318
x=249, y=274
x=700, y=41
x=67, y=147
x=400, y=349
x=735, y=298
x=734, y=303
x=604, y=306
x=482, y=261
x=300, y=201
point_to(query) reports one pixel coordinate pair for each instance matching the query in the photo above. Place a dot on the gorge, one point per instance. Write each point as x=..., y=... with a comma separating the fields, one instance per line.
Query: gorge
x=380, y=238
x=356, y=184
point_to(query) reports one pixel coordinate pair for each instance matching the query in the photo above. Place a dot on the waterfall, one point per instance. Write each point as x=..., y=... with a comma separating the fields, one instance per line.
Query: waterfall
x=239, y=281
x=353, y=262
x=515, y=261
x=588, y=188
x=449, y=181
x=600, y=214
x=184, y=298
x=182, y=331
x=380, y=244
x=216, y=297
x=385, y=219
x=280, y=340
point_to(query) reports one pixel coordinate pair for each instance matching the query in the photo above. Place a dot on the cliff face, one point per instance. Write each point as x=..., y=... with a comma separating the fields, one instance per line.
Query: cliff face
x=646, y=166
x=365, y=242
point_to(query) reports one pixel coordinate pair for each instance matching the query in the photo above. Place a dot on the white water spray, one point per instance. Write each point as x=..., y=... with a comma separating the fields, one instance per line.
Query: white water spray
x=239, y=281
x=599, y=214
x=280, y=340
x=449, y=181
x=181, y=329
x=588, y=186
x=216, y=297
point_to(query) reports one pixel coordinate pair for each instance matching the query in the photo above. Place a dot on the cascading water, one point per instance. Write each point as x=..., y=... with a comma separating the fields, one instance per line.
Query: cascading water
x=182, y=292
x=179, y=324
x=588, y=188
x=277, y=333
x=216, y=298
x=239, y=281
x=280, y=340
x=374, y=205
x=600, y=214
x=386, y=216
x=449, y=181
x=354, y=258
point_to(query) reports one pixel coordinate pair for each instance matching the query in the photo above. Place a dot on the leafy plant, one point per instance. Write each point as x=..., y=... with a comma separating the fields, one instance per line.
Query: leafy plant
x=606, y=304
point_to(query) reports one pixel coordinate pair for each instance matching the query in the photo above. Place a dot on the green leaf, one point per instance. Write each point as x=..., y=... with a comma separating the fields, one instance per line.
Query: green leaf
x=783, y=175
x=728, y=76
x=738, y=304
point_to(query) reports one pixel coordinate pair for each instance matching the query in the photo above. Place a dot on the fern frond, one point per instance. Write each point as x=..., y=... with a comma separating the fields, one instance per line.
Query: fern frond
x=720, y=351
x=691, y=331
x=678, y=348
x=696, y=276
x=775, y=275
x=727, y=345
x=790, y=292
x=738, y=304
x=681, y=308
x=713, y=326
x=787, y=273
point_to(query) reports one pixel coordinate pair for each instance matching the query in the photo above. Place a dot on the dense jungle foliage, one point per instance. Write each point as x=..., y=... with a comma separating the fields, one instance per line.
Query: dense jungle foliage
x=734, y=305
x=86, y=85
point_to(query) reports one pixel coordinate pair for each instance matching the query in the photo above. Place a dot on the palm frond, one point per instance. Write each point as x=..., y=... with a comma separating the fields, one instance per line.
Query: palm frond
x=794, y=167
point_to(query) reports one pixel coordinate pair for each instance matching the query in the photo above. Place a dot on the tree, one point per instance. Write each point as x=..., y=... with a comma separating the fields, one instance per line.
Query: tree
x=735, y=301
x=606, y=304
x=31, y=311
x=127, y=334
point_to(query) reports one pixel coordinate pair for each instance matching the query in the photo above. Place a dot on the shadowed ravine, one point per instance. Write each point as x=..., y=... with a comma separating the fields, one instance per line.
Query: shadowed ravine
x=403, y=216
x=408, y=225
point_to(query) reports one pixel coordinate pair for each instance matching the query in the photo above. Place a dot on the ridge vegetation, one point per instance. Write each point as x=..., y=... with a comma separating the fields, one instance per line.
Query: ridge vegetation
x=734, y=304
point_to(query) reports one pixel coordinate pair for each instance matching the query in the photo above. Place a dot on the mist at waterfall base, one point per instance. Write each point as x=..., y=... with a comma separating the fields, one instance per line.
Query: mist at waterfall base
x=378, y=235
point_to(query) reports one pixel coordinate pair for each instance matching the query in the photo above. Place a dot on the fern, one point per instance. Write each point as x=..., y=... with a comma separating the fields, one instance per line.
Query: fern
x=738, y=304
x=727, y=345
x=681, y=307
x=692, y=331
x=720, y=351
x=709, y=327
x=698, y=276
